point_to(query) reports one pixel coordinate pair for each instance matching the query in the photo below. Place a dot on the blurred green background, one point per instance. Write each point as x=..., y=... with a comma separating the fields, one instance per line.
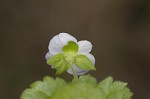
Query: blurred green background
x=118, y=29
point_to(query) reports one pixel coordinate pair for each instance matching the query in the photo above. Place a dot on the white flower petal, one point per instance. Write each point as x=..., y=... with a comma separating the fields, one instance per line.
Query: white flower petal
x=55, y=45
x=84, y=46
x=65, y=38
x=48, y=55
x=77, y=70
x=59, y=41
x=90, y=56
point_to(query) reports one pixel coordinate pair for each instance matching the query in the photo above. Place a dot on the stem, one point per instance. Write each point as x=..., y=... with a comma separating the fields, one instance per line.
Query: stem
x=73, y=71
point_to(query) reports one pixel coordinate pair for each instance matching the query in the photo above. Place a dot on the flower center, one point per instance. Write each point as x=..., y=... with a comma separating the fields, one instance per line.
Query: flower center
x=69, y=57
x=70, y=50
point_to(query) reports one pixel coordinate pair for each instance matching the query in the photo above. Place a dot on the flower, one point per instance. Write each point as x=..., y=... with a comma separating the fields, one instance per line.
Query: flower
x=66, y=54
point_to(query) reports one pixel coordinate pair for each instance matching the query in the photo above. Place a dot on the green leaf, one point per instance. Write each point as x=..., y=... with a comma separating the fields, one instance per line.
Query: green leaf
x=114, y=90
x=83, y=62
x=117, y=85
x=105, y=85
x=34, y=94
x=127, y=93
x=43, y=89
x=88, y=78
x=83, y=88
x=119, y=90
x=70, y=47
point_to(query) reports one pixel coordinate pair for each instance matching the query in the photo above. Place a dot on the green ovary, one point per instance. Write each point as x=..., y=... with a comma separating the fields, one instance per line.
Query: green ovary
x=70, y=51
x=69, y=56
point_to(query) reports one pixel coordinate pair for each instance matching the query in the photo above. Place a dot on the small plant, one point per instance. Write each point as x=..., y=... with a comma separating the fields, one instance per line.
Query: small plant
x=67, y=54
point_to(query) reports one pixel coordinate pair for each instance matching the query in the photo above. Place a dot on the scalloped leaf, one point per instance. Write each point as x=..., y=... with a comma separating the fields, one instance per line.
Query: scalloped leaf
x=114, y=90
x=87, y=78
x=43, y=89
x=85, y=87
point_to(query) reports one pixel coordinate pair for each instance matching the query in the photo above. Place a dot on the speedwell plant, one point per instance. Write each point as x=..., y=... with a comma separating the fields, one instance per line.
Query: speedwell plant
x=65, y=53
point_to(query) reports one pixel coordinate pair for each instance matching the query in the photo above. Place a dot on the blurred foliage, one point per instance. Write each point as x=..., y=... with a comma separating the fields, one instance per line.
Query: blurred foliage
x=85, y=87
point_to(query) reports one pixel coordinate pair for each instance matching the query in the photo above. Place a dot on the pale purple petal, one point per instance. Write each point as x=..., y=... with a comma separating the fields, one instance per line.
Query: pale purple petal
x=55, y=45
x=65, y=38
x=59, y=41
x=78, y=71
x=84, y=46
x=48, y=56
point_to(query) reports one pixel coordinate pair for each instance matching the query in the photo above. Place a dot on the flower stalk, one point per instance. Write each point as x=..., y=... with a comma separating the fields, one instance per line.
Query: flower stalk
x=74, y=73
